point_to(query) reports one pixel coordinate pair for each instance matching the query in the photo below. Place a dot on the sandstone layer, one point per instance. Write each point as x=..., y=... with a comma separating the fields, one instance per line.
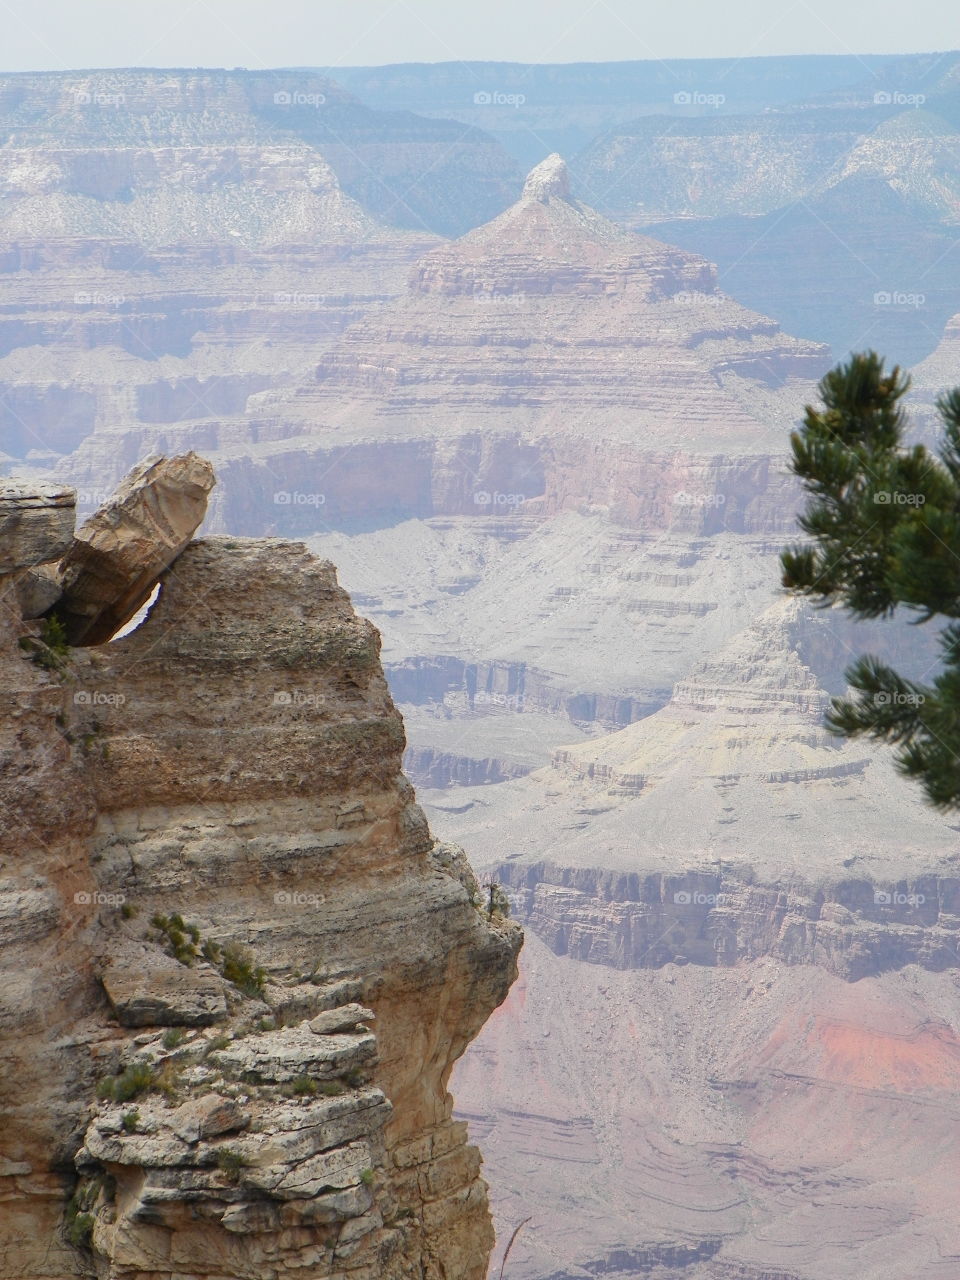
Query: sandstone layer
x=206, y=830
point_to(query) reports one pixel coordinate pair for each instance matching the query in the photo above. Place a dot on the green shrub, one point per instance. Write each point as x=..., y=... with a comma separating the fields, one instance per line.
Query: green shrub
x=181, y=938
x=230, y=1162
x=54, y=635
x=173, y=1038
x=331, y=1088
x=367, y=1177
x=130, y=1120
x=50, y=648
x=78, y=1220
x=235, y=963
x=304, y=1086
x=167, y=1079
x=238, y=968
x=80, y=1229
x=136, y=1079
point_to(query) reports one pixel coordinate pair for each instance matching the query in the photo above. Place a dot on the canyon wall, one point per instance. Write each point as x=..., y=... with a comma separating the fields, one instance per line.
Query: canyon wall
x=237, y=967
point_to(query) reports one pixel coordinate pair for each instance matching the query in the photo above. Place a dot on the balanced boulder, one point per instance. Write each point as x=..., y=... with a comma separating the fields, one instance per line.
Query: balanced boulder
x=118, y=555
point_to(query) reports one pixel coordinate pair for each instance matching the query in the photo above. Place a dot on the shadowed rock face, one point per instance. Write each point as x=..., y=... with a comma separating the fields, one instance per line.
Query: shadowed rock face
x=232, y=766
x=36, y=523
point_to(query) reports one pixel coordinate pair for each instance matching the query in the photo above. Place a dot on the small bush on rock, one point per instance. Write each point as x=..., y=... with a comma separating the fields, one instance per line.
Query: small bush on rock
x=231, y=1162
x=132, y=1082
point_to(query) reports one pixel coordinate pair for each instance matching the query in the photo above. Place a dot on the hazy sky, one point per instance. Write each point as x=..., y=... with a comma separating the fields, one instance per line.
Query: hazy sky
x=58, y=34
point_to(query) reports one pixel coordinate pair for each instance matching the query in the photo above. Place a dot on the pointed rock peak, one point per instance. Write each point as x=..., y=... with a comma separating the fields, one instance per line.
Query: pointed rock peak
x=549, y=178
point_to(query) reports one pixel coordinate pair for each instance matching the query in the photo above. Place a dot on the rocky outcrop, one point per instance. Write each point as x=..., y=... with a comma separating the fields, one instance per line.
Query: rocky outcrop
x=547, y=179
x=431, y=768
x=207, y=831
x=36, y=524
x=117, y=556
x=852, y=927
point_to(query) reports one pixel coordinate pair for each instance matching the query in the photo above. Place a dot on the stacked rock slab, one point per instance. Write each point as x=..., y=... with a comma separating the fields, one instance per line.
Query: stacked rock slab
x=117, y=556
x=214, y=1101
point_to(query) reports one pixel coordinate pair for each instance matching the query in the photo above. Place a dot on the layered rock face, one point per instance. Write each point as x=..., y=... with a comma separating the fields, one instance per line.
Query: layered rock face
x=886, y=275
x=184, y=234
x=207, y=831
x=554, y=390
x=551, y=390
x=835, y=213
x=460, y=391
x=537, y=108
x=896, y=122
x=732, y=1122
x=737, y=1042
x=79, y=138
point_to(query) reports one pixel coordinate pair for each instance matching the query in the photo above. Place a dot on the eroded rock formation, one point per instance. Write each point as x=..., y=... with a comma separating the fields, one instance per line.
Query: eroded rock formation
x=116, y=558
x=738, y=1034
x=237, y=969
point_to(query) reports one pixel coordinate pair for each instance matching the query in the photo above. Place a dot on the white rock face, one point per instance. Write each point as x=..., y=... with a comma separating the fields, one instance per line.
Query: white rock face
x=549, y=179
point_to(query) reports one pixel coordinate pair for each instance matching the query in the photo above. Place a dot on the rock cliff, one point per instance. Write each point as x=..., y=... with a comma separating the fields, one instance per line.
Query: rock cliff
x=237, y=969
